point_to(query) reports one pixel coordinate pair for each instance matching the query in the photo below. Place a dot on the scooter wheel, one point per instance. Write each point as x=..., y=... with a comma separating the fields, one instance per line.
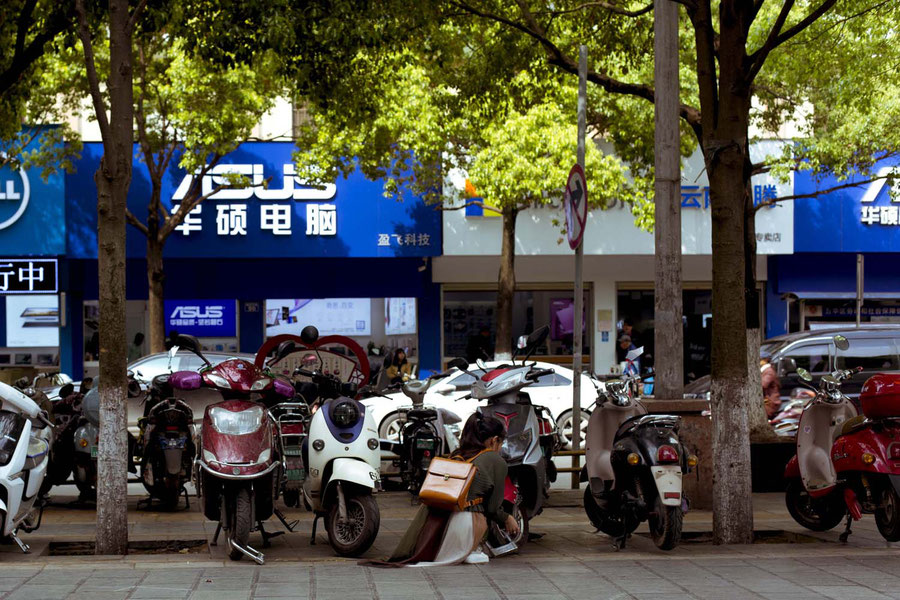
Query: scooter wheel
x=497, y=539
x=816, y=514
x=355, y=535
x=242, y=522
x=887, y=516
x=603, y=519
x=665, y=525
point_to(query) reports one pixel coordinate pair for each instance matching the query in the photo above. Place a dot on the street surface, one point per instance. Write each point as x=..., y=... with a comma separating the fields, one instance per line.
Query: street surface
x=569, y=561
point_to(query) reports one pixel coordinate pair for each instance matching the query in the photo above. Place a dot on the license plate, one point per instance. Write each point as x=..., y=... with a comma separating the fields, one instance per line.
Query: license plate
x=94, y=451
x=296, y=474
x=172, y=443
x=425, y=444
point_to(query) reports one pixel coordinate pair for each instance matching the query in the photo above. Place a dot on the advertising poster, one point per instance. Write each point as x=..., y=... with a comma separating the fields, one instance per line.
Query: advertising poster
x=562, y=319
x=399, y=316
x=32, y=321
x=331, y=316
x=202, y=318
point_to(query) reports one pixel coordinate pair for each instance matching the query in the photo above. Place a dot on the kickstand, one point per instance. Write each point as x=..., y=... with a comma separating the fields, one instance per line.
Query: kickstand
x=290, y=526
x=312, y=538
x=187, y=500
x=846, y=534
x=265, y=534
x=215, y=541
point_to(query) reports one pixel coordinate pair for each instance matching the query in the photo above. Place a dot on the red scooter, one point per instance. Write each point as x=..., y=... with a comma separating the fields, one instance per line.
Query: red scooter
x=847, y=464
x=239, y=468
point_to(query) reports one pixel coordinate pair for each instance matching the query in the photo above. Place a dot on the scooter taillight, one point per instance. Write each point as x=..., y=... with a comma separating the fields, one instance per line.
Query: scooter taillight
x=546, y=427
x=667, y=454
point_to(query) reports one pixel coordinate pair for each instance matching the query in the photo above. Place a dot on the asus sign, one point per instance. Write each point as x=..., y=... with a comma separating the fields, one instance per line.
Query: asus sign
x=202, y=318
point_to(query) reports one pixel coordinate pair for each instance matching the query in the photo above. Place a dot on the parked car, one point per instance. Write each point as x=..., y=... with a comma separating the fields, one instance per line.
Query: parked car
x=553, y=391
x=875, y=349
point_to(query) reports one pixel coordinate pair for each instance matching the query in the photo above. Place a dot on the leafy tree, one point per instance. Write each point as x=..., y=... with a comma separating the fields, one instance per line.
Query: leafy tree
x=193, y=112
x=420, y=118
x=787, y=55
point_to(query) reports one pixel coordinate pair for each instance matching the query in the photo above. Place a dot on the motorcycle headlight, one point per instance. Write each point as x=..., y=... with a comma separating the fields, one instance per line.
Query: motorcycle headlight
x=260, y=384
x=345, y=414
x=236, y=423
x=218, y=381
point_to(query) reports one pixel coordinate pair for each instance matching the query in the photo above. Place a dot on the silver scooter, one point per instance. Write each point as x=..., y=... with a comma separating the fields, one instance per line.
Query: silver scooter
x=26, y=434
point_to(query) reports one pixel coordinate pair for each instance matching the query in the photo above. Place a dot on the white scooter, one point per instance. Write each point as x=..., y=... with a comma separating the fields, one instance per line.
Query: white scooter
x=342, y=456
x=25, y=438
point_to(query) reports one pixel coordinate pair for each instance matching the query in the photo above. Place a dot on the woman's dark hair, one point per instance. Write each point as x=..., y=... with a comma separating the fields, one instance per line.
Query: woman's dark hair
x=477, y=431
x=396, y=360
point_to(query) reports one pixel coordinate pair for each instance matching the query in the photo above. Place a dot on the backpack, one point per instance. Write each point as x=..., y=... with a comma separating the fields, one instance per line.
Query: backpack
x=447, y=483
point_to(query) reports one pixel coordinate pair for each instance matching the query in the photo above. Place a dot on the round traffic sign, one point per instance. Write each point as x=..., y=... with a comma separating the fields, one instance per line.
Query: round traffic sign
x=575, y=202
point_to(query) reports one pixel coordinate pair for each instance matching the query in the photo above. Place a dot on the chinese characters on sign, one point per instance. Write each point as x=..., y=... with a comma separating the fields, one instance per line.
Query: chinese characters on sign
x=871, y=311
x=404, y=239
x=19, y=276
x=695, y=196
x=880, y=215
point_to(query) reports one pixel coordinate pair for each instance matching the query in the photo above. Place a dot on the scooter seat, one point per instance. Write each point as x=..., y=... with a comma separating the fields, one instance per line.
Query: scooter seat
x=422, y=414
x=37, y=450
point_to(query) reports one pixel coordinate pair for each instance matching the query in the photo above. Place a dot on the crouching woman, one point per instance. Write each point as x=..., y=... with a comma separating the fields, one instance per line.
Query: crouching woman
x=436, y=537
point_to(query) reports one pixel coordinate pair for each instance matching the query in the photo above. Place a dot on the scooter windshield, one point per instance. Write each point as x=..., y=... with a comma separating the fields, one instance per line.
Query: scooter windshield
x=11, y=426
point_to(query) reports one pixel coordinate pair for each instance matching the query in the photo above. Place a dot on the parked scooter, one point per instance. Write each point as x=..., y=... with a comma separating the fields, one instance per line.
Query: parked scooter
x=87, y=440
x=531, y=436
x=66, y=417
x=342, y=458
x=634, y=463
x=238, y=470
x=847, y=464
x=166, y=443
x=425, y=431
x=25, y=438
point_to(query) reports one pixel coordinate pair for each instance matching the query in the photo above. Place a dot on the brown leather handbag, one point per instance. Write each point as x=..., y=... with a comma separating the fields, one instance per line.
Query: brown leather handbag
x=447, y=483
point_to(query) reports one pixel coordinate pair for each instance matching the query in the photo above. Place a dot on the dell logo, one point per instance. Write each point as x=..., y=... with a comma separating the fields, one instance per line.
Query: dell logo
x=15, y=192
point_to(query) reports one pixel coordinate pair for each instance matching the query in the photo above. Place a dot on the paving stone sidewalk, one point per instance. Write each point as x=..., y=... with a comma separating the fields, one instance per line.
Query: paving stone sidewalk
x=569, y=561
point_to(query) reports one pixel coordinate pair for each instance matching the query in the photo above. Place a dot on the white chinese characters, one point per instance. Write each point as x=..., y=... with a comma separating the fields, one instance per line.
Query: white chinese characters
x=321, y=219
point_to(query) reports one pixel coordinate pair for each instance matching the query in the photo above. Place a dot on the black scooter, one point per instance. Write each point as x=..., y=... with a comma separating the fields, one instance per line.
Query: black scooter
x=167, y=447
x=634, y=467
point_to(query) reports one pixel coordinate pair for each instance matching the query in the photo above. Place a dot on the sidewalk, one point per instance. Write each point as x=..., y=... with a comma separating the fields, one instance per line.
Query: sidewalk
x=570, y=561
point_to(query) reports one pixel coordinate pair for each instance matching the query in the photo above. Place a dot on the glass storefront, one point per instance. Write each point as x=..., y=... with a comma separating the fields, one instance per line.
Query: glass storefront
x=469, y=312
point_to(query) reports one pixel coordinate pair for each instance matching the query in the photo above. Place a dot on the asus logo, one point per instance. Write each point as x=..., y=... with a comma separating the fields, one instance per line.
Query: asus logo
x=197, y=312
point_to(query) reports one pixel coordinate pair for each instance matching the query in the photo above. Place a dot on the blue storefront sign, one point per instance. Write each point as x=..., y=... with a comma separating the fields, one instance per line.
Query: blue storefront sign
x=32, y=212
x=202, y=318
x=276, y=216
x=854, y=219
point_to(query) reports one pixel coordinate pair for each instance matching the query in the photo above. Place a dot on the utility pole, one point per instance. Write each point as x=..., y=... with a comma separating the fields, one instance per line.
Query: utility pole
x=668, y=303
x=579, y=271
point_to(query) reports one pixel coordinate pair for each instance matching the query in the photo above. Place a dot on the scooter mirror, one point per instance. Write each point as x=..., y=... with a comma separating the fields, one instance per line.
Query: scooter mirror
x=537, y=337
x=460, y=363
x=522, y=342
x=66, y=390
x=188, y=342
x=284, y=349
x=840, y=342
x=804, y=374
x=309, y=335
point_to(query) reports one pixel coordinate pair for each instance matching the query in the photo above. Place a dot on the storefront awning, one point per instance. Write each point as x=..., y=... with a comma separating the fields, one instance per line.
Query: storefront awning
x=840, y=296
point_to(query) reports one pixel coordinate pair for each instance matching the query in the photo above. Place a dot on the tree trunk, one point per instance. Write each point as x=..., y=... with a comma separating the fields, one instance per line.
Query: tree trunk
x=668, y=329
x=760, y=430
x=506, y=286
x=113, y=180
x=155, y=279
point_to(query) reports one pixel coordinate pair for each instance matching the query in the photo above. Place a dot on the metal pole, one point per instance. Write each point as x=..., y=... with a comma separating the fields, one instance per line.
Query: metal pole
x=579, y=274
x=668, y=307
x=860, y=284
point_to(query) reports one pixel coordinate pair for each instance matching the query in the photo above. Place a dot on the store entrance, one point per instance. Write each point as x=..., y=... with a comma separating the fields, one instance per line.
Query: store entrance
x=635, y=313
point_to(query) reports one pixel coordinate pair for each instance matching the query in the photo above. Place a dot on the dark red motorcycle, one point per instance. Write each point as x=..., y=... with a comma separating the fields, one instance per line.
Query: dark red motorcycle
x=239, y=468
x=847, y=464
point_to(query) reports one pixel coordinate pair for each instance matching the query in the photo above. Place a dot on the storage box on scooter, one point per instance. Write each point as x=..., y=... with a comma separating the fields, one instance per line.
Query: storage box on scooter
x=880, y=396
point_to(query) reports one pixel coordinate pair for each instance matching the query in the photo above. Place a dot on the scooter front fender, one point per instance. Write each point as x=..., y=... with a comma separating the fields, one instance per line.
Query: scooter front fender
x=352, y=470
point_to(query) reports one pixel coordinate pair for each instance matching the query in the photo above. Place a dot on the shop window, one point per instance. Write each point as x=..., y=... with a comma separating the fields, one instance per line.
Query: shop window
x=872, y=354
x=468, y=313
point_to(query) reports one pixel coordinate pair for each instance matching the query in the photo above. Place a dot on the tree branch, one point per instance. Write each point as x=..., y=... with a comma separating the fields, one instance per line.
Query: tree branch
x=133, y=220
x=607, y=6
x=469, y=203
x=24, y=23
x=817, y=193
x=556, y=57
x=93, y=80
x=796, y=29
x=758, y=58
x=135, y=16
